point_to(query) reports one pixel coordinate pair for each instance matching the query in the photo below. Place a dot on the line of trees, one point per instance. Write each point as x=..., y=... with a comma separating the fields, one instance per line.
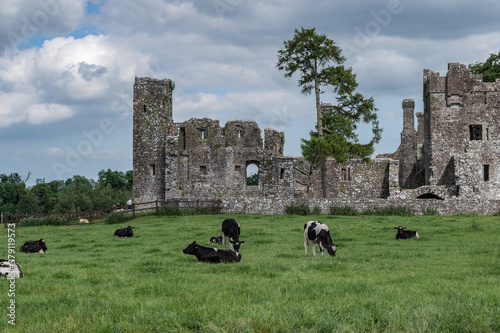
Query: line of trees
x=75, y=194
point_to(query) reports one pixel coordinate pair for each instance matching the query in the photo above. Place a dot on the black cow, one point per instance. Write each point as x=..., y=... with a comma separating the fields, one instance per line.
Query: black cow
x=212, y=255
x=124, y=232
x=34, y=246
x=10, y=269
x=217, y=240
x=317, y=232
x=231, y=231
x=405, y=234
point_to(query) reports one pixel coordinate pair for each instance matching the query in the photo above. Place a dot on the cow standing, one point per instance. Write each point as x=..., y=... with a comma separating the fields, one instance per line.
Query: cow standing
x=212, y=255
x=34, y=246
x=231, y=231
x=124, y=232
x=317, y=232
x=405, y=234
x=10, y=269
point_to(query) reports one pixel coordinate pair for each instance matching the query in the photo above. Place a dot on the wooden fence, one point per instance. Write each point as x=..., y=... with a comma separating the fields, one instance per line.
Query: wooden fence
x=157, y=207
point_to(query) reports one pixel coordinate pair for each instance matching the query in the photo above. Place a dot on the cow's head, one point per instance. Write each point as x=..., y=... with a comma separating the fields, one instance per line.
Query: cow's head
x=191, y=249
x=236, y=245
x=42, y=244
x=400, y=228
x=332, y=249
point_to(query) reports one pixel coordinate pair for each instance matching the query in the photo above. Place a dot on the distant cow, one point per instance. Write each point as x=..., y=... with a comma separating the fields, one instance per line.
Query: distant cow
x=10, y=269
x=405, y=234
x=80, y=220
x=217, y=240
x=34, y=246
x=231, y=231
x=212, y=255
x=124, y=232
x=317, y=232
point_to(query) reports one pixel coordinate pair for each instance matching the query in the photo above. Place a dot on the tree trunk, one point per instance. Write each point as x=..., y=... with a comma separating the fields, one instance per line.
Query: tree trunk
x=319, y=112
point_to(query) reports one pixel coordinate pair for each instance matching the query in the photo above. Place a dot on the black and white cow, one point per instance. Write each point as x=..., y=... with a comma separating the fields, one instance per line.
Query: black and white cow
x=405, y=234
x=317, y=232
x=10, y=269
x=217, y=240
x=231, y=231
x=34, y=246
x=212, y=255
x=124, y=232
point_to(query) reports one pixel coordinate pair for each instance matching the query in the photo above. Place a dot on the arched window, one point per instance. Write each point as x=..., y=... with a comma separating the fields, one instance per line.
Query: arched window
x=252, y=173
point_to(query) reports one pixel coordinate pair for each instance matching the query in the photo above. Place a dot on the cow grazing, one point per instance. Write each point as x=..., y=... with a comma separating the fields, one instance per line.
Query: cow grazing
x=212, y=255
x=405, y=234
x=317, y=232
x=217, y=240
x=231, y=231
x=10, y=269
x=124, y=232
x=34, y=246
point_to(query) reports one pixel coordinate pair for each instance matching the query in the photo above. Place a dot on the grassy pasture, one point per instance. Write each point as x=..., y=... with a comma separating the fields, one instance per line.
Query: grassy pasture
x=89, y=281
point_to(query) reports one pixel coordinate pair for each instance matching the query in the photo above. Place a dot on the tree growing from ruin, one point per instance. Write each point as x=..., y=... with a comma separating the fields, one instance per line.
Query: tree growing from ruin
x=319, y=61
x=490, y=68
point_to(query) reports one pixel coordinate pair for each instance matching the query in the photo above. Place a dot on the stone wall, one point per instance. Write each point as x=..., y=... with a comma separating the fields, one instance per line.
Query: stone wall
x=449, y=206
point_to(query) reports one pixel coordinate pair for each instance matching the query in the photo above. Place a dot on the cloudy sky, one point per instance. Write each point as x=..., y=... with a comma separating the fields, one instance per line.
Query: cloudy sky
x=67, y=67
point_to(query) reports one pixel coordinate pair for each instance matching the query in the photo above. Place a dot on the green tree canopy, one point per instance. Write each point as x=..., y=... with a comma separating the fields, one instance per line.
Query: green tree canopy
x=319, y=63
x=490, y=68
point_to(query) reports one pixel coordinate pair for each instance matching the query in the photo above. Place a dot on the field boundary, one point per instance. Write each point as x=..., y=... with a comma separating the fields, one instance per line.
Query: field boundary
x=137, y=210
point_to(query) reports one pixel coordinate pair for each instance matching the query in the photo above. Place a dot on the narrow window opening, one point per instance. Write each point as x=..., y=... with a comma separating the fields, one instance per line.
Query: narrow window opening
x=203, y=133
x=282, y=173
x=476, y=132
x=203, y=170
x=345, y=175
x=237, y=168
x=153, y=169
x=182, y=138
x=486, y=172
x=145, y=108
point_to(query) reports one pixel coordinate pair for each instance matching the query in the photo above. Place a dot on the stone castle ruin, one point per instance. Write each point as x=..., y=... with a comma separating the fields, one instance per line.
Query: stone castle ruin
x=451, y=158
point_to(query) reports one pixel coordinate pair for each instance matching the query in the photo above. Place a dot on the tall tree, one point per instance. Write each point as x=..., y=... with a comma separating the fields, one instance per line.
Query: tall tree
x=490, y=68
x=319, y=62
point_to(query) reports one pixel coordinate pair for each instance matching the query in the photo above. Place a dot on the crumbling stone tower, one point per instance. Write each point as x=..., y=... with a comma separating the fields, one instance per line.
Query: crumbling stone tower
x=152, y=123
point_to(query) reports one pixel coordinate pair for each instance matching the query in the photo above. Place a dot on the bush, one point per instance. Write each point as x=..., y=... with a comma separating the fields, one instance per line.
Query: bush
x=389, y=211
x=316, y=210
x=115, y=218
x=301, y=209
x=45, y=220
x=344, y=210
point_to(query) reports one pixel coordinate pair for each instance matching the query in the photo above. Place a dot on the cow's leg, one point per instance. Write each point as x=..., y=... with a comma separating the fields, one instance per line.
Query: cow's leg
x=313, y=248
x=231, y=246
x=224, y=241
x=321, y=248
x=306, y=244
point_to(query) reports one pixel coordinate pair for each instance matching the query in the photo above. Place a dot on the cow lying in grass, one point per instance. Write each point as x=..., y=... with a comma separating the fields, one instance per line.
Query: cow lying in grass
x=217, y=240
x=34, y=246
x=405, y=234
x=317, y=232
x=124, y=232
x=212, y=255
x=10, y=269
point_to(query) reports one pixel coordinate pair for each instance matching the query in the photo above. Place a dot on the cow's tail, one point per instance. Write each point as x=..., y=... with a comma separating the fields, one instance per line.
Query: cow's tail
x=417, y=235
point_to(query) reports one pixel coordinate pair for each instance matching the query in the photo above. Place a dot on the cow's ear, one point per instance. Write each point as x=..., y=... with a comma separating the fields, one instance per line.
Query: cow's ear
x=242, y=242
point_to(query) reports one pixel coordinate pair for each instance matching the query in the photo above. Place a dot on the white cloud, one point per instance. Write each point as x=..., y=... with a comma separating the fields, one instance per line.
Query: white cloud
x=47, y=113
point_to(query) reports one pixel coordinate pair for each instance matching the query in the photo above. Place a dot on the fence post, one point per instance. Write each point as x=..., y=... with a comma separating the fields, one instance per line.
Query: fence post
x=133, y=210
x=156, y=205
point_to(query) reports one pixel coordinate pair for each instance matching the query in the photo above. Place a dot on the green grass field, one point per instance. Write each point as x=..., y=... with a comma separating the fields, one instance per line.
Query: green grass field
x=89, y=281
